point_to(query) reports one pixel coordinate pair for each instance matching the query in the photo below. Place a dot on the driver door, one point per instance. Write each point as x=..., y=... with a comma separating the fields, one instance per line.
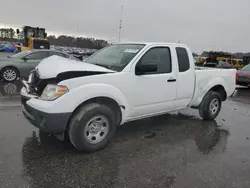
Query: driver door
x=154, y=92
x=30, y=61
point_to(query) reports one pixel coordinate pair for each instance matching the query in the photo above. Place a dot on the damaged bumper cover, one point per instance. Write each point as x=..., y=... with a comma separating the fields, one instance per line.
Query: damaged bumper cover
x=54, y=123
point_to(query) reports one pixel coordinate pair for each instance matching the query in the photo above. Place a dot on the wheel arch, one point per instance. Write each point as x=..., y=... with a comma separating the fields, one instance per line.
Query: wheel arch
x=221, y=90
x=113, y=104
x=217, y=84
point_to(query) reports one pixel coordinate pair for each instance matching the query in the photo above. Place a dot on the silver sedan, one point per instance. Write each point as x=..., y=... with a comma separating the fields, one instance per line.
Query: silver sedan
x=20, y=64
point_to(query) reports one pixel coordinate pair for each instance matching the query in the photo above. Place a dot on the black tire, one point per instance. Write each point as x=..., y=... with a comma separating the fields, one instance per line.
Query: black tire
x=9, y=69
x=79, y=121
x=205, y=112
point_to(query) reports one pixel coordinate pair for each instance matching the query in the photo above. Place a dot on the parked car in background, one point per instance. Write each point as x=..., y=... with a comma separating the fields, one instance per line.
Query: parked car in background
x=8, y=48
x=20, y=64
x=220, y=64
x=244, y=76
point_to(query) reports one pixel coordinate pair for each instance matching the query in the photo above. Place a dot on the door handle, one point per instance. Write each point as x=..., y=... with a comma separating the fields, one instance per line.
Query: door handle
x=171, y=80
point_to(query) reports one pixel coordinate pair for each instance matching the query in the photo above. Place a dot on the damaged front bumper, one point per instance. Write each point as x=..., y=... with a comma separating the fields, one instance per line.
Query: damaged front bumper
x=54, y=123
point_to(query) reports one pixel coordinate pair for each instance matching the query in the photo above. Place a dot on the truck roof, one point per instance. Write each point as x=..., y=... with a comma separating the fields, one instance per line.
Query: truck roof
x=155, y=43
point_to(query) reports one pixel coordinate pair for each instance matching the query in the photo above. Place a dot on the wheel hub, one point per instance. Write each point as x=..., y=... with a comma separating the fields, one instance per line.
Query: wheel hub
x=96, y=129
x=9, y=75
x=214, y=106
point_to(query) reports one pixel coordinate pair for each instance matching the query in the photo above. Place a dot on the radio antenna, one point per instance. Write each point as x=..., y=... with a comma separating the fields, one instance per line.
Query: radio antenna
x=120, y=25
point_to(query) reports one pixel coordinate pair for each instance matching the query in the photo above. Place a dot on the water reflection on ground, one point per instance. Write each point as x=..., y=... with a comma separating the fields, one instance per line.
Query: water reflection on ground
x=155, y=148
x=10, y=89
x=173, y=150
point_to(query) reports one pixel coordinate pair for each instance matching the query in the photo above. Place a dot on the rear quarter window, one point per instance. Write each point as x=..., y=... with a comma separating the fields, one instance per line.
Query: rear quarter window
x=183, y=60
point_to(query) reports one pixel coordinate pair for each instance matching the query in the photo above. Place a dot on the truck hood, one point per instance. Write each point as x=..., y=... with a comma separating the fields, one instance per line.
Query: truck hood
x=54, y=65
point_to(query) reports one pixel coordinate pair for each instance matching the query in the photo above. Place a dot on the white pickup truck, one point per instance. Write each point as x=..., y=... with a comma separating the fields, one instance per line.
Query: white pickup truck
x=120, y=83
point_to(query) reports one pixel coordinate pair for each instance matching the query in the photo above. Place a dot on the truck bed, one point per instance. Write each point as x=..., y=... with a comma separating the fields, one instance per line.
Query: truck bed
x=205, y=78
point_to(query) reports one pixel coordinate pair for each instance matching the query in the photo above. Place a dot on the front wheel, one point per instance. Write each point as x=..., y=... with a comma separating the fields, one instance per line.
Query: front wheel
x=92, y=127
x=210, y=105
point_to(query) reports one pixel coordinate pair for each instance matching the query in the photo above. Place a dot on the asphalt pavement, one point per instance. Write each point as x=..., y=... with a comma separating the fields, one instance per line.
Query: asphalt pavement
x=176, y=150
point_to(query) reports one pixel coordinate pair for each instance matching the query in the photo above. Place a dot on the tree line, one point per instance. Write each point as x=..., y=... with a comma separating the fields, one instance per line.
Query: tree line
x=81, y=42
x=9, y=35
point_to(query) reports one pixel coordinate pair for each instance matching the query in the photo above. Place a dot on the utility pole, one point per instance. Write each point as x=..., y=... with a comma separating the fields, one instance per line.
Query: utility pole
x=120, y=25
x=77, y=30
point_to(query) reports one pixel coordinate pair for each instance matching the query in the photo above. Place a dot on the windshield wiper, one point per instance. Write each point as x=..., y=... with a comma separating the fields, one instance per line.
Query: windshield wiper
x=101, y=65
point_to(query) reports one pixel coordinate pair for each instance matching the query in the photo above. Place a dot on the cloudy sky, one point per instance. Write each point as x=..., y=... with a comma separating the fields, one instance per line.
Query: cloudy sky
x=202, y=24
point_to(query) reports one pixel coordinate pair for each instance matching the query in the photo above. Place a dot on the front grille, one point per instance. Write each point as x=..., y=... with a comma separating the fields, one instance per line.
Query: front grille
x=33, y=81
x=37, y=85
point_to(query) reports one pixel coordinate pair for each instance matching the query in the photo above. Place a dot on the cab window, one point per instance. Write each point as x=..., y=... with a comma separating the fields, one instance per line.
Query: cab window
x=183, y=60
x=160, y=56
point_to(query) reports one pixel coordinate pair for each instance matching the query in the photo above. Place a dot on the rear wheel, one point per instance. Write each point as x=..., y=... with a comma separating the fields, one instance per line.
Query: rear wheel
x=9, y=74
x=210, y=105
x=92, y=127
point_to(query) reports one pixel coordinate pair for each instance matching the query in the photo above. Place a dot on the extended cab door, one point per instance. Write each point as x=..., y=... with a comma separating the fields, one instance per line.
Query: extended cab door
x=185, y=77
x=154, y=92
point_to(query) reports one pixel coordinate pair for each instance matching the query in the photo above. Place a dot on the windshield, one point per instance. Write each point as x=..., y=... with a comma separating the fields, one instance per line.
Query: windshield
x=20, y=55
x=247, y=68
x=115, y=57
x=31, y=32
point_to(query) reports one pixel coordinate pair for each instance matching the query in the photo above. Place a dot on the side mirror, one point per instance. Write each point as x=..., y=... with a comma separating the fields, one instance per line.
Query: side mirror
x=142, y=69
x=25, y=58
x=45, y=35
x=17, y=31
